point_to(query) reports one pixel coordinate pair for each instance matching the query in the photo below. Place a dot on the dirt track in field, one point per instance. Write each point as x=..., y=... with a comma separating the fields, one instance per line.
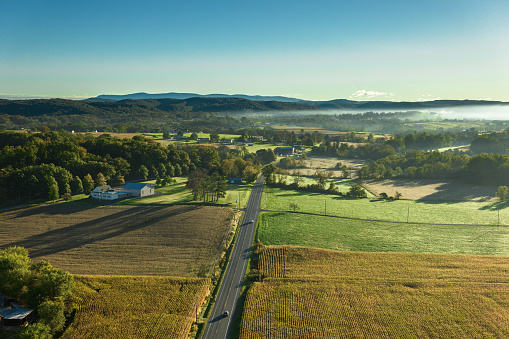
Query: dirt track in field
x=119, y=240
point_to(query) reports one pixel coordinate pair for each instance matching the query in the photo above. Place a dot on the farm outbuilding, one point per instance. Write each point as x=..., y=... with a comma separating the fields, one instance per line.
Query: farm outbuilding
x=14, y=317
x=235, y=180
x=138, y=189
x=285, y=150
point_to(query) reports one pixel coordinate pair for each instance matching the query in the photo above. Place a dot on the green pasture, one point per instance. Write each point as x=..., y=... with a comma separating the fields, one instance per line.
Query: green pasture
x=276, y=228
x=466, y=212
x=179, y=194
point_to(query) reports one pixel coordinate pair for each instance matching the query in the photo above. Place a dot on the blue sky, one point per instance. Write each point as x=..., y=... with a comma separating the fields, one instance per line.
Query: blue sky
x=320, y=50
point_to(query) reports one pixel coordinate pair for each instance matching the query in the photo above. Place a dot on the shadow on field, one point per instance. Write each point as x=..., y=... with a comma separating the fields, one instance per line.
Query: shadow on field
x=298, y=193
x=495, y=206
x=102, y=228
x=453, y=192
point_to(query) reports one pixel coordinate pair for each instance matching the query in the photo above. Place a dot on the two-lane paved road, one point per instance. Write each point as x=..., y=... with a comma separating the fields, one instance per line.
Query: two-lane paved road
x=219, y=326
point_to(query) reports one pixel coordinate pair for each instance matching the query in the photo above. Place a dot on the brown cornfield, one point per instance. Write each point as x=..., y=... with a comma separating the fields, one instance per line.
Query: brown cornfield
x=136, y=307
x=314, y=293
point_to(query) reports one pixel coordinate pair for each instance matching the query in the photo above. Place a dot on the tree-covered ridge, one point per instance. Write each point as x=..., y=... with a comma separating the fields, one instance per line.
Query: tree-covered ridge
x=57, y=107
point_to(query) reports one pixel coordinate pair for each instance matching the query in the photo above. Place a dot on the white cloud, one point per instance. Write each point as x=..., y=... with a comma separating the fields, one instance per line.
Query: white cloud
x=428, y=97
x=363, y=94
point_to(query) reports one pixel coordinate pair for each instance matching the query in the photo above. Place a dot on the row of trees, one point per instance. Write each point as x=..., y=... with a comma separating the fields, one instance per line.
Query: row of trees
x=277, y=177
x=490, y=169
x=375, y=149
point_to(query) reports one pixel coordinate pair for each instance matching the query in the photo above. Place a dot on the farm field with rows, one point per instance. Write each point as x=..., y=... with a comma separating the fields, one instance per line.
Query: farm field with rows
x=314, y=293
x=180, y=240
x=136, y=307
x=447, y=212
x=275, y=228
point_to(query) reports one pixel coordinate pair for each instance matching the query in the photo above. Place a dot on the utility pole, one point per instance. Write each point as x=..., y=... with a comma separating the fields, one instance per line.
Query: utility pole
x=325, y=206
x=498, y=217
x=408, y=214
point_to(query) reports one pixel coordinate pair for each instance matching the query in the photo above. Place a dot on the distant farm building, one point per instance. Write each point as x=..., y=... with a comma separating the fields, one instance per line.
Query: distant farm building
x=235, y=180
x=129, y=190
x=203, y=140
x=283, y=151
x=227, y=141
x=14, y=317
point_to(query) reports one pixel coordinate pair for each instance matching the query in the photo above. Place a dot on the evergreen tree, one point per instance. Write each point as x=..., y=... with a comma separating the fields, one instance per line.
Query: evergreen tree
x=53, y=189
x=77, y=185
x=88, y=184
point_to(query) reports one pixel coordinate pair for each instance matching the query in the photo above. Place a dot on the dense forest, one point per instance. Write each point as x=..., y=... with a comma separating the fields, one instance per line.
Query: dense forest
x=45, y=165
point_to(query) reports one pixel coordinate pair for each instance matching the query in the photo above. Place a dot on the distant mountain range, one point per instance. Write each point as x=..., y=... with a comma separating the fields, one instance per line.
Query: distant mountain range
x=190, y=104
x=182, y=96
x=155, y=107
x=336, y=104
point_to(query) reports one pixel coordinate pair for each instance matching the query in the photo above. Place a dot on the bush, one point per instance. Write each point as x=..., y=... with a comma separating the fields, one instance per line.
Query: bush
x=356, y=191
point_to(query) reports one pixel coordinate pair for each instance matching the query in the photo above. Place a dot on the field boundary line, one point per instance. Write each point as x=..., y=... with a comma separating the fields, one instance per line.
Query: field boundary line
x=386, y=221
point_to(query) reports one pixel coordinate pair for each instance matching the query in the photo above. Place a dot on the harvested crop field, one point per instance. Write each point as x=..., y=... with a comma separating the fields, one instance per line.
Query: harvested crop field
x=120, y=240
x=136, y=307
x=311, y=293
x=432, y=189
x=314, y=164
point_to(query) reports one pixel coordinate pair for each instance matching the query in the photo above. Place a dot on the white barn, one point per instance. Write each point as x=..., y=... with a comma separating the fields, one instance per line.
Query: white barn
x=138, y=189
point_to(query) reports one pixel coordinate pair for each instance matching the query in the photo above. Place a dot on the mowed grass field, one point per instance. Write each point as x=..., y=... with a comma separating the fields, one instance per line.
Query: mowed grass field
x=182, y=240
x=358, y=235
x=179, y=194
x=313, y=293
x=135, y=307
x=452, y=212
x=432, y=189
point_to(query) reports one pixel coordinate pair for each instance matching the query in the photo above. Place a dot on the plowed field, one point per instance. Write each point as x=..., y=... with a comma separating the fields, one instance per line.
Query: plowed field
x=120, y=240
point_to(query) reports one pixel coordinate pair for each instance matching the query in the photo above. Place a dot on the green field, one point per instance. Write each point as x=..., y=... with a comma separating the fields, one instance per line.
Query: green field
x=313, y=293
x=465, y=212
x=179, y=194
x=366, y=236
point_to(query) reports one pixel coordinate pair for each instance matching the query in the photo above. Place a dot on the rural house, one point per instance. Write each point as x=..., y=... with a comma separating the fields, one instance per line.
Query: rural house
x=138, y=189
x=13, y=317
x=284, y=151
x=99, y=191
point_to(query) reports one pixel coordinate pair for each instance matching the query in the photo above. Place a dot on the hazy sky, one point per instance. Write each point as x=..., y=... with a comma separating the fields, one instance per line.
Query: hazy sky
x=317, y=50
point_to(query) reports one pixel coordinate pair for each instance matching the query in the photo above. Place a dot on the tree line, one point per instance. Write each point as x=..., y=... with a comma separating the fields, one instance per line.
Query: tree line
x=48, y=165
